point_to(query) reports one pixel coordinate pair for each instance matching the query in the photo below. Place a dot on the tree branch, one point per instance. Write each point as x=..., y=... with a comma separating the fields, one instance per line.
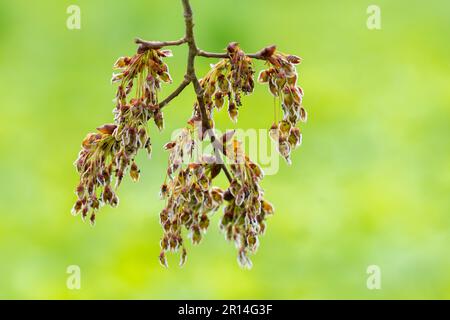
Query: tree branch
x=191, y=75
x=175, y=93
x=193, y=52
x=262, y=54
x=219, y=55
x=145, y=45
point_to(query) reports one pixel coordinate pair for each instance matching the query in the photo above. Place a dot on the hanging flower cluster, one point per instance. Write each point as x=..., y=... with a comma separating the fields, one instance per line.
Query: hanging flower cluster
x=282, y=80
x=110, y=153
x=145, y=71
x=227, y=80
x=189, y=194
x=246, y=210
x=96, y=167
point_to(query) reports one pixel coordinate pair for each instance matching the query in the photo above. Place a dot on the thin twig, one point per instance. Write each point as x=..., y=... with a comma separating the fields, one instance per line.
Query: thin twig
x=262, y=54
x=176, y=92
x=202, y=53
x=145, y=45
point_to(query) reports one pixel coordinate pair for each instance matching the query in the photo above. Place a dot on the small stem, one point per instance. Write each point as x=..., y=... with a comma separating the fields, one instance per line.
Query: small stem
x=207, y=54
x=175, y=93
x=145, y=45
x=262, y=54
x=227, y=173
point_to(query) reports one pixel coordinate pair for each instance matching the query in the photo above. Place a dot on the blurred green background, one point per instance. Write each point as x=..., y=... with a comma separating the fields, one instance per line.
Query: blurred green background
x=370, y=185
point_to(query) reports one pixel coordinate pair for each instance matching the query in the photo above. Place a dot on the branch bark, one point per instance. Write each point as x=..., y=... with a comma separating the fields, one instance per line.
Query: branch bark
x=262, y=54
x=186, y=81
x=190, y=72
x=145, y=45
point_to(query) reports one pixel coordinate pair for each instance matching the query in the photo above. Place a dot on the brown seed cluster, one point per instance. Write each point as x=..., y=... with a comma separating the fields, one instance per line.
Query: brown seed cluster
x=110, y=153
x=228, y=80
x=245, y=212
x=282, y=80
x=189, y=194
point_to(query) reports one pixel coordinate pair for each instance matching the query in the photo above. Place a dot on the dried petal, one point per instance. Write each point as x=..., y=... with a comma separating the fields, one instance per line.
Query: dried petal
x=263, y=76
x=163, y=259
x=232, y=111
x=134, y=172
x=107, y=128
x=267, y=207
x=183, y=257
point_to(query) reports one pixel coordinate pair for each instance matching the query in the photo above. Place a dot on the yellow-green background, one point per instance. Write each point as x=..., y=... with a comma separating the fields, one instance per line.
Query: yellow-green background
x=370, y=185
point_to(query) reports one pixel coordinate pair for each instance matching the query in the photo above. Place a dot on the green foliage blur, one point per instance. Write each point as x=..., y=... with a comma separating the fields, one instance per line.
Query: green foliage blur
x=370, y=184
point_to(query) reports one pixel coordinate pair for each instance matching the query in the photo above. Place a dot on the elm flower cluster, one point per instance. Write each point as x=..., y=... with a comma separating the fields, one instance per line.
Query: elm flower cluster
x=96, y=166
x=145, y=71
x=189, y=195
x=228, y=79
x=190, y=192
x=282, y=80
x=110, y=152
x=245, y=212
